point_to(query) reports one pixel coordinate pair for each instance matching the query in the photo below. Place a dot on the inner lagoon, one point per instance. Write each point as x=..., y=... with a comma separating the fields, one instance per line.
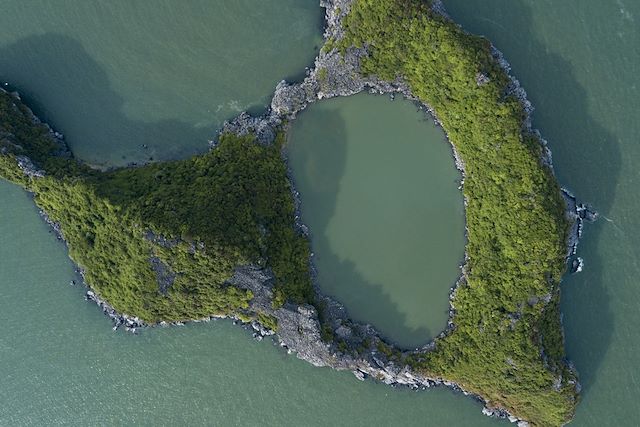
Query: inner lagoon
x=379, y=192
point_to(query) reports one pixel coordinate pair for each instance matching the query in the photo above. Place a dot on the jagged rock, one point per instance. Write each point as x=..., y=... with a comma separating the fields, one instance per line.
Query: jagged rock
x=577, y=265
x=160, y=240
x=344, y=332
x=262, y=127
x=359, y=375
x=482, y=79
x=577, y=213
x=289, y=99
x=28, y=167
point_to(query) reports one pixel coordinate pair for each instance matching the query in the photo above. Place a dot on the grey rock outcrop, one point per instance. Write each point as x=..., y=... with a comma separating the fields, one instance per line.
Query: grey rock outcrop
x=577, y=213
x=164, y=275
x=28, y=167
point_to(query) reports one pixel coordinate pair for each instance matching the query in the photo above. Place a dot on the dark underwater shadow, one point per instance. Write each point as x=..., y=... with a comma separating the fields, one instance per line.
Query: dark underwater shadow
x=74, y=85
x=325, y=162
x=586, y=156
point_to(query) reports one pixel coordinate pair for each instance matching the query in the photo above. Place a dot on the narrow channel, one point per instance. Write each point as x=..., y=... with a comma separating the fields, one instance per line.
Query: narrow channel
x=379, y=192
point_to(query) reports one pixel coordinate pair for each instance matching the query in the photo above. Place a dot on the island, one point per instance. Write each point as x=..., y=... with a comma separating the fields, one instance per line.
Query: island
x=219, y=234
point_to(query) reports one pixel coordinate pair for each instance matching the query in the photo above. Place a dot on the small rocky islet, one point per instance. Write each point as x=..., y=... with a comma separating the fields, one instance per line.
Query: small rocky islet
x=250, y=260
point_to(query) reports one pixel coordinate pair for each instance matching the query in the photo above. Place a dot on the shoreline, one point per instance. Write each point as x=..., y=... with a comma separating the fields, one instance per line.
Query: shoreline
x=299, y=327
x=291, y=99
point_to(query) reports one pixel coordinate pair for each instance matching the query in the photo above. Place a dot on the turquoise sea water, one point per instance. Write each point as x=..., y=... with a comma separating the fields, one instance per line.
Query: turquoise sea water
x=116, y=75
x=60, y=363
x=379, y=193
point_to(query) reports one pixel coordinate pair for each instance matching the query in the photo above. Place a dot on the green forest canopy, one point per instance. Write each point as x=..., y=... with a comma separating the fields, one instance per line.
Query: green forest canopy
x=233, y=206
x=507, y=343
x=214, y=212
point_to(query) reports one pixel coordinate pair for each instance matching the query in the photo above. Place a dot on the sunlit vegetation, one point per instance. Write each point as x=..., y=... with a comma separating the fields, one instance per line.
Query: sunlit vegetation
x=195, y=220
x=201, y=217
x=507, y=342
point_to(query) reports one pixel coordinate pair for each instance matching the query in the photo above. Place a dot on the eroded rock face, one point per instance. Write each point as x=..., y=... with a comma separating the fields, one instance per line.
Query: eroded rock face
x=333, y=74
x=577, y=213
x=131, y=324
x=357, y=347
x=164, y=275
x=28, y=167
x=264, y=128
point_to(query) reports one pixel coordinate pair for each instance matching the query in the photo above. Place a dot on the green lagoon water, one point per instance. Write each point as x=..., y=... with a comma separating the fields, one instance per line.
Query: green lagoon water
x=379, y=192
x=83, y=65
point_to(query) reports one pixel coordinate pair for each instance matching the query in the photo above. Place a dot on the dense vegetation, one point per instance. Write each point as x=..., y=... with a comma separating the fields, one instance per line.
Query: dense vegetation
x=507, y=344
x=160, y=241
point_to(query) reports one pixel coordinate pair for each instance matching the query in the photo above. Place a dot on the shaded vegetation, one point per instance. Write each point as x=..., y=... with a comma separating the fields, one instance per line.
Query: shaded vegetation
x=506, y=344
x=197, y=218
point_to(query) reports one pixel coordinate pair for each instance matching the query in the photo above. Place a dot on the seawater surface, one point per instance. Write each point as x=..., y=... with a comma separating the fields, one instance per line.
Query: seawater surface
x=116, y=76
x=379, y=192
x=61, y=364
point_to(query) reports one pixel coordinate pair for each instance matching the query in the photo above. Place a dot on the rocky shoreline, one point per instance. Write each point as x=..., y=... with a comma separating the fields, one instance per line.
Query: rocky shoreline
x=299, y=329
x=335, y=75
